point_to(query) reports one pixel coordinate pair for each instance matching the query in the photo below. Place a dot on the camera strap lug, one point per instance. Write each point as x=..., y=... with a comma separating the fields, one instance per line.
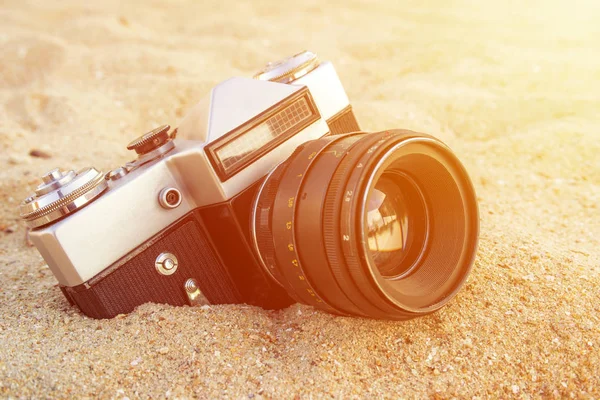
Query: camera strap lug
x=194, y=294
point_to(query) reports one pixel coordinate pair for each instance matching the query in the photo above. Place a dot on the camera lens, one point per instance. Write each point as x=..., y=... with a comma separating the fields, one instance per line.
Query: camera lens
x=381, y=225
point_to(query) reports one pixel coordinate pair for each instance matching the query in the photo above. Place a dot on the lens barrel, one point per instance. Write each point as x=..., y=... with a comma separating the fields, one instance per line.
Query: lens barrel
x=380, y=225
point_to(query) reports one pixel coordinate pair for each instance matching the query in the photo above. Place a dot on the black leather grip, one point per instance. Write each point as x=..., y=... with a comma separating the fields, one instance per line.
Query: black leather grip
x=134, y=280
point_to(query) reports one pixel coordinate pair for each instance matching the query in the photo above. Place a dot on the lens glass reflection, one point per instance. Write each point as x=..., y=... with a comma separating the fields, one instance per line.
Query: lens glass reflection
x=396, y=224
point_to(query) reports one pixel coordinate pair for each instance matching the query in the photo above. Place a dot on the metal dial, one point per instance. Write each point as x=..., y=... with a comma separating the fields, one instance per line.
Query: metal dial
x=289, y=69
x=61, y=193
x=151, y=140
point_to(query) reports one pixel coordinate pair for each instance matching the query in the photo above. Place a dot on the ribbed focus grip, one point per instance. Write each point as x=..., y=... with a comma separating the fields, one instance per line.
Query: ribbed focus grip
x=123, y=287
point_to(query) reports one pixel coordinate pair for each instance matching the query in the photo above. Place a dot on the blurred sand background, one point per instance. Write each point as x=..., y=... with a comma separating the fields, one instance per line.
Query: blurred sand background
x=512, y=87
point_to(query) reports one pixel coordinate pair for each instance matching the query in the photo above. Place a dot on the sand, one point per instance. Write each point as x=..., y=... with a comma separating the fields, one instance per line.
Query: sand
x=513, y=89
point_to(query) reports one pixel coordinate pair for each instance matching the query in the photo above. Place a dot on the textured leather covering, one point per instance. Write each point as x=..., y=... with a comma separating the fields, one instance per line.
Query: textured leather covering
x=136, y=281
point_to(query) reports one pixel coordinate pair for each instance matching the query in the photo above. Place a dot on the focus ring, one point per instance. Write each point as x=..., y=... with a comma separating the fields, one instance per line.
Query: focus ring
x=350, y=211
x=311, y=225
x=315, y=168
x=336, y=239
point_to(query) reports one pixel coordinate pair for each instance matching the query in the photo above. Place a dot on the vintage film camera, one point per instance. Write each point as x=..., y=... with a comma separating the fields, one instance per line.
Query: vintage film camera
x=267, y=193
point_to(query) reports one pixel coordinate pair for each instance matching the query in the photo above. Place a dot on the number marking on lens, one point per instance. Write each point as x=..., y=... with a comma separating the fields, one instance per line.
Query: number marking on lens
x=292, y=269
x=348, y=195
x=334, y=152
x=375, y=146
x=346, y=238
x=360, y=165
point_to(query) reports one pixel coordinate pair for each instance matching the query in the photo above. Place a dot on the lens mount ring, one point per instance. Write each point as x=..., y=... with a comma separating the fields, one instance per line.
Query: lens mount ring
x=259, y=218
x=261, y=229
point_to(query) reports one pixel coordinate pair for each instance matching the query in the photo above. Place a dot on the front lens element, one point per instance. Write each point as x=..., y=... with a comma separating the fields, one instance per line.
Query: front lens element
x=380, y=225
x=396, y=224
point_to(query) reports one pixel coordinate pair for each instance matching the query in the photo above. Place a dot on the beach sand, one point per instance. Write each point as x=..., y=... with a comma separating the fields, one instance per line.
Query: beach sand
x=514, y=89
